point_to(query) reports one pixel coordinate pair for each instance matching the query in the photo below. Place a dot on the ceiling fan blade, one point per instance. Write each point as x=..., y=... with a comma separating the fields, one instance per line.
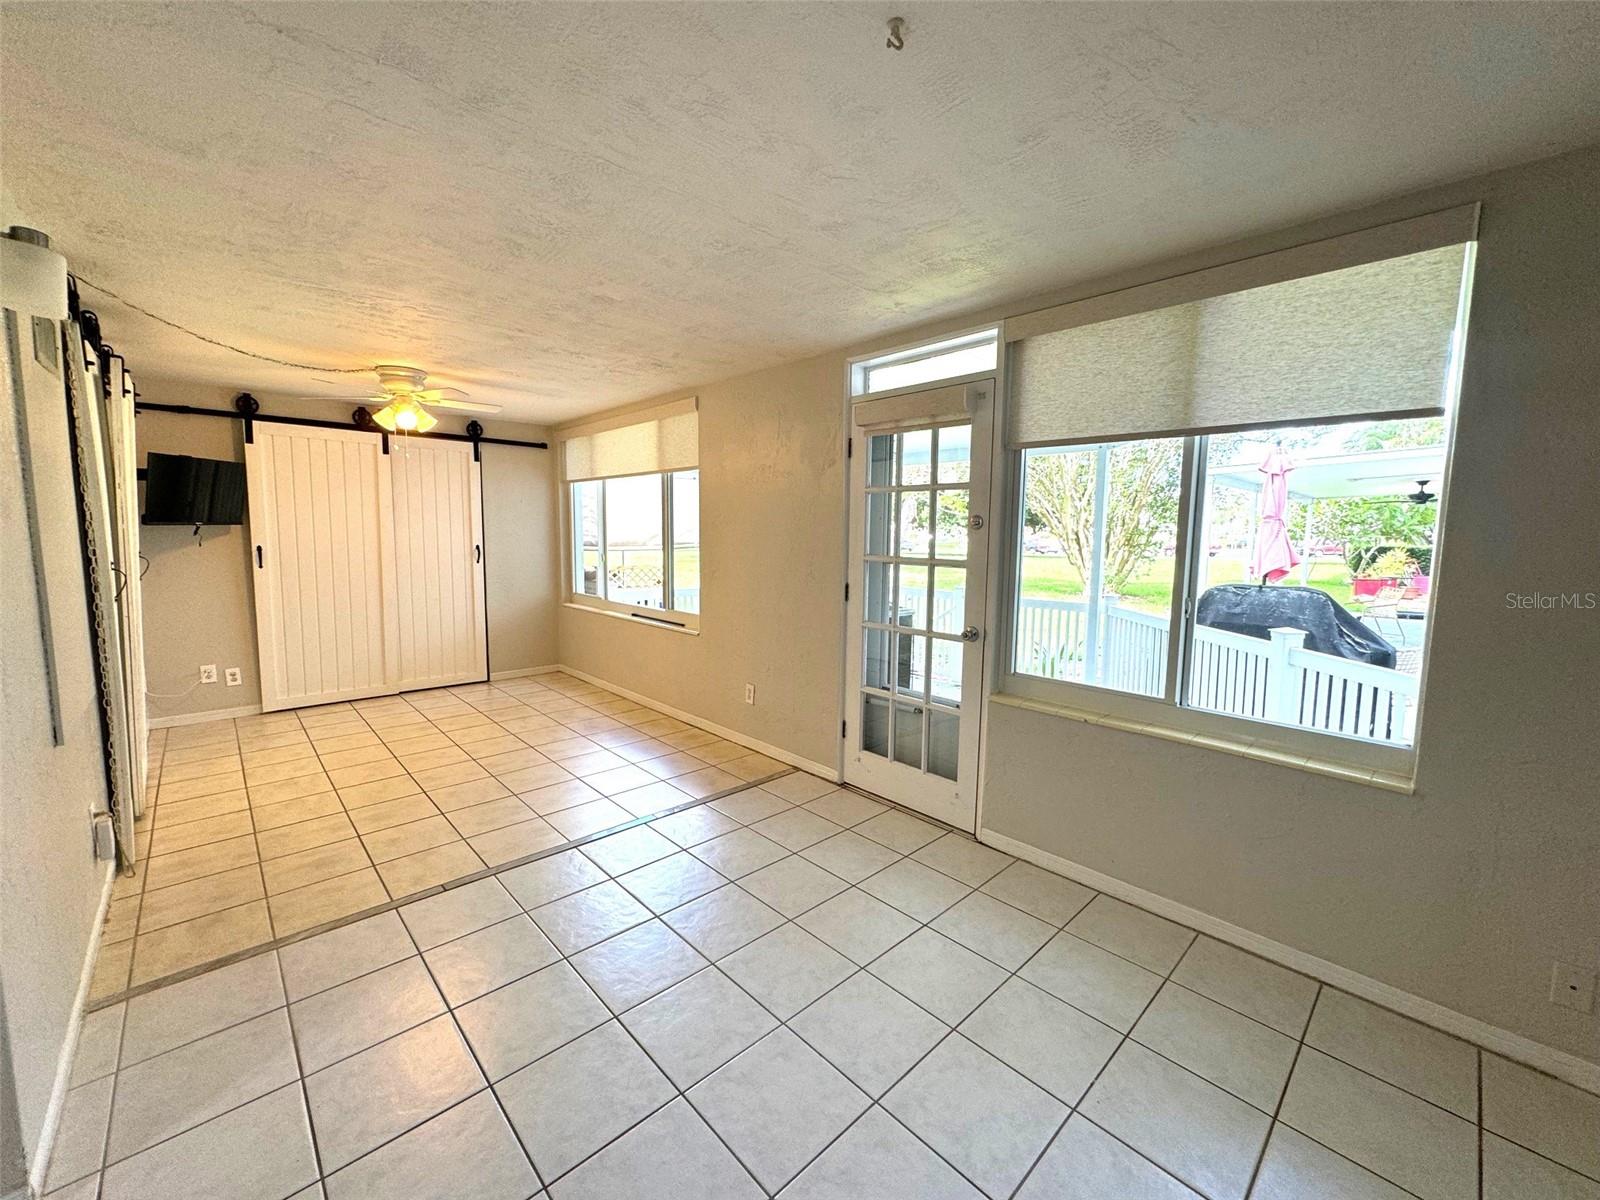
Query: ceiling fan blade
x=433, y=395
x=344, y=399
x=463, y=405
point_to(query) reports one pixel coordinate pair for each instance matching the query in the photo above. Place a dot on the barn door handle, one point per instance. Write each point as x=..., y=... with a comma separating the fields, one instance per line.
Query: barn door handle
x=258, y=557
x=477, y=554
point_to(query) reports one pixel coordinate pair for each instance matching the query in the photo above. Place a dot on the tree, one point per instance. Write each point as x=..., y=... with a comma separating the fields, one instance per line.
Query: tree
x=1141, y=504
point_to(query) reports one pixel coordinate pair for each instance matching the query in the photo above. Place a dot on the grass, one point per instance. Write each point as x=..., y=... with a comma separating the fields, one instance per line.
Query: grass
x=1051, y=577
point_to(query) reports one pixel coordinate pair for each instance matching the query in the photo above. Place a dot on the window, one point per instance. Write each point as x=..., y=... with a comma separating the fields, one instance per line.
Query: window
x=968, y=354
x=633, y=487
x=1256, y=542
x=622, y=530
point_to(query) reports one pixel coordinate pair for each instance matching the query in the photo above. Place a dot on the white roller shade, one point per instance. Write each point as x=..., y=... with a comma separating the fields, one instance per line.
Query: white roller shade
x=1371, y=339
x=666, y=439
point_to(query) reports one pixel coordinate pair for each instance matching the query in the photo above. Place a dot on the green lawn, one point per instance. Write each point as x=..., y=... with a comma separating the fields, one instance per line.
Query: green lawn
x=1051, y=577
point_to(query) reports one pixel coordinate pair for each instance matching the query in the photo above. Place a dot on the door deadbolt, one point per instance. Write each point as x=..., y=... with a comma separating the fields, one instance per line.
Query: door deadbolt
x=974, y=522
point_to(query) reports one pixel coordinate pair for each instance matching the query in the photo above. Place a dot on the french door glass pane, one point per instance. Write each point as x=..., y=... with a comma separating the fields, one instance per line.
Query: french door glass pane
x=944, y=743
x=916, y=457
x=876, y=671
x=949, y=599
x=1107, y=515
x=915, y=535
x=586, y=535
x=955, y=453
x=875, y=725
x=908, y=734
x=686, y=541
x=878, y=604
x=912, y=606
x=911, y=664
x=880, y=460
x=880, y=523
x=950, y=531
x=946, y=677
x=635, y=568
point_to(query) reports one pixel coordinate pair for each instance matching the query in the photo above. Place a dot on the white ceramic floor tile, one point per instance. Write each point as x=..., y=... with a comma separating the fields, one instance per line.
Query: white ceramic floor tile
x=859, y=926
x=365, y=1100
x=1273, y=995
x=633, y=966
x=538, y=883
x=1423, y=1061
x=673, y=1153
x=258, y=1151
x=81, y=1134
x=1000, y=933
x=628, y=850
x=589, y=917
x=914, y=889
x=695, y=1026
x=574, y=1100
x=457, y=912
x=979, y=1114
x=738, y=853
x=1191, y=1128
x=363, y=1012
x=516, y=1024
x=1229, y=1049
x=1390, y=1132
x=1513, y=1173
x=489, y=958
x=1087, y=1163
x=1542, y=1113
x=943, y=977
x=900, y=831
x=667, y=883
x=465, y=1150
x=182, y=1012
x=876, y=1157
x=962, y=858
x=777, y=1105
x=850, y=856
x=99, y=1043
x=340, y=954
x=722, y=921
x=1297, y=1168
x=869, y=1031
x=1053, y=1044
x=792, y=885
x=1039, y=893
x=1153, y=942
x=787, y=969
x=1108, y=988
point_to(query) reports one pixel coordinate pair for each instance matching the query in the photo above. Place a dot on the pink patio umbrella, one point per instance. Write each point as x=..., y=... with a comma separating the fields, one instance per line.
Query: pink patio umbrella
x=1273, y=555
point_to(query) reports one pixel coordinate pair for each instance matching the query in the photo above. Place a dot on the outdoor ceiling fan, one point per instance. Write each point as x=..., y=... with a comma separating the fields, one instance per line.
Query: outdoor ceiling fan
x=1422, y=495
x=405, y=401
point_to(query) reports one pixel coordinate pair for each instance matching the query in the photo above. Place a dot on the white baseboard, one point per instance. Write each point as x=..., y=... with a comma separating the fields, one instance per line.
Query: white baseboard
x=69, y=1046
x=523, y=672
x=722, y=731
x=1568, y=1067
x=200, y=718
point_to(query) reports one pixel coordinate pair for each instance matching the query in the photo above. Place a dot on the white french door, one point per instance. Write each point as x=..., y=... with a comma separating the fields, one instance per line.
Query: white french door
x=438, y=550
x=918, y=554
x=322, y=549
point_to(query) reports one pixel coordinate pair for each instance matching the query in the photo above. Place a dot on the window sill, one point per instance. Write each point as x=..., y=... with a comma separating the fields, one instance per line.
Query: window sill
x=1391, y=781
x=637, y=622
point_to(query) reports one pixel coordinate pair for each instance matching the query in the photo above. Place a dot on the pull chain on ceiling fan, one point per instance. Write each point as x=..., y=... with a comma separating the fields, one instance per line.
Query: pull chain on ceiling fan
x=405, y=401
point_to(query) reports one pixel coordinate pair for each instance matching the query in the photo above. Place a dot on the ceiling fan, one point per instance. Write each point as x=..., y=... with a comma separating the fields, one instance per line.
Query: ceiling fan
x=1422, y=495
x=405, y=401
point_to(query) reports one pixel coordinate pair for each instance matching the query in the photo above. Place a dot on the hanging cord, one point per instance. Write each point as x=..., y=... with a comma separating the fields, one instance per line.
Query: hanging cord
x=282, y=362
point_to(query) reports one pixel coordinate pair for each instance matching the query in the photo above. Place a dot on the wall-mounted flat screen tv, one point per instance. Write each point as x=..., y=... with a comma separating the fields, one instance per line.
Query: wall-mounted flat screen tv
x=180, y=490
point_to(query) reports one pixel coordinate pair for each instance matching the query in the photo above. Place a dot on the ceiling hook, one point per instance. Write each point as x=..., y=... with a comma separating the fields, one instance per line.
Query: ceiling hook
x=897, y=33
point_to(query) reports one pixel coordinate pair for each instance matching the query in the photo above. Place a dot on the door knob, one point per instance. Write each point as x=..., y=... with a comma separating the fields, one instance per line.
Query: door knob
x=970, y=634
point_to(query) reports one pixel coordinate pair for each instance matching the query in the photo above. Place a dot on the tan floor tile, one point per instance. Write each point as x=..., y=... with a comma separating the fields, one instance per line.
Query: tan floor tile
x=345, y=741
x=203, y=939
x=177, y=812
x=313, y=866
x=303, y=835
x=381, y=768
x=298, y=749
x=213, y=893
x=527, y=779
x=690, y=739
x=292, y=768
x=418, y=743
x=423, y=760
x=474, y=791
x=189, y=834
x=122, y=918
x=333, y=760
x=199, y=768
x=328, y=900
x=451, y=773
x=289, y=789
x=372, y=817
x=400, y=840
x=190, y=754
x=568, y=794
x=111, y=970
x=558, y=745
x=288, y=812
x=416, y=872
x=190, y=789
x=753, y=766
x=127, y=884
x=511, y=842
x=184, y=865
x=501, y=743
x=708, y=782
x=378, y=790
x=274, y=741
x=493, y=814
x=673, y=763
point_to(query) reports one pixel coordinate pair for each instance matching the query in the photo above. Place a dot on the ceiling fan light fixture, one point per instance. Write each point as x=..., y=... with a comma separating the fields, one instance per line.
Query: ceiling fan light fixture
x=405, y=415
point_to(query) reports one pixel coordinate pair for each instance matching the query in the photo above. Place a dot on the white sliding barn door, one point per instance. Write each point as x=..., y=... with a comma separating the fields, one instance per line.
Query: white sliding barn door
x=438, y=541
x=322, y=551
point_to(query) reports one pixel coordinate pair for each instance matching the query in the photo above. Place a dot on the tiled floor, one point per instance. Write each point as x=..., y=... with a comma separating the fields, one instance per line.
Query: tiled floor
x=794, y=990
x=266, y=826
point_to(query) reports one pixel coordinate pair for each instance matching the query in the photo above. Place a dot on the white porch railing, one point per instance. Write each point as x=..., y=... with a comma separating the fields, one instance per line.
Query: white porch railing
x=1275, y=679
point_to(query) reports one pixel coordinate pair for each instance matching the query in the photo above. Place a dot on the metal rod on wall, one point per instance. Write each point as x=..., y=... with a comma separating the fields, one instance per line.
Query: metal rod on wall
x=188, y=410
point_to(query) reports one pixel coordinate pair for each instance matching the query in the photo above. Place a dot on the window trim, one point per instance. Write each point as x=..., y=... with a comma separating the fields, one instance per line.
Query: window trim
x=1167, y=716
x=661, y=618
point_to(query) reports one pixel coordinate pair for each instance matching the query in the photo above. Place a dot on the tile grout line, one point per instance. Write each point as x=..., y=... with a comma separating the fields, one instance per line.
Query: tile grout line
x=1283, y=1094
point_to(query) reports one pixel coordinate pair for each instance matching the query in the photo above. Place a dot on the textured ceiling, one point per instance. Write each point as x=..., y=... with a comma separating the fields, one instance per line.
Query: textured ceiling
x=567, y=207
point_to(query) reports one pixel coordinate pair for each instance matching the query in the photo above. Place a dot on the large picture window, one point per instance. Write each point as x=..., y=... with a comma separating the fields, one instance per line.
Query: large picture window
x=1252, y=537
x=633, y=500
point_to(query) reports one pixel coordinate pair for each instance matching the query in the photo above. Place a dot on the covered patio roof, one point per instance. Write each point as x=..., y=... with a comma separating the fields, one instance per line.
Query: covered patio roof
x=1338, y=476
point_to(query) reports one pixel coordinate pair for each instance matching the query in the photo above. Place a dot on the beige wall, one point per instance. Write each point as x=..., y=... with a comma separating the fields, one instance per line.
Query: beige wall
x=199, y=604
x=50, y=884
x=1463, y=893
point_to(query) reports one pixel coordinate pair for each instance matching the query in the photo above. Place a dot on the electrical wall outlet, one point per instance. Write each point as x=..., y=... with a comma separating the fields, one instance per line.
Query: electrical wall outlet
x=1572, y=987
x=208, y=673
x=234, y=676
x=749, y=693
